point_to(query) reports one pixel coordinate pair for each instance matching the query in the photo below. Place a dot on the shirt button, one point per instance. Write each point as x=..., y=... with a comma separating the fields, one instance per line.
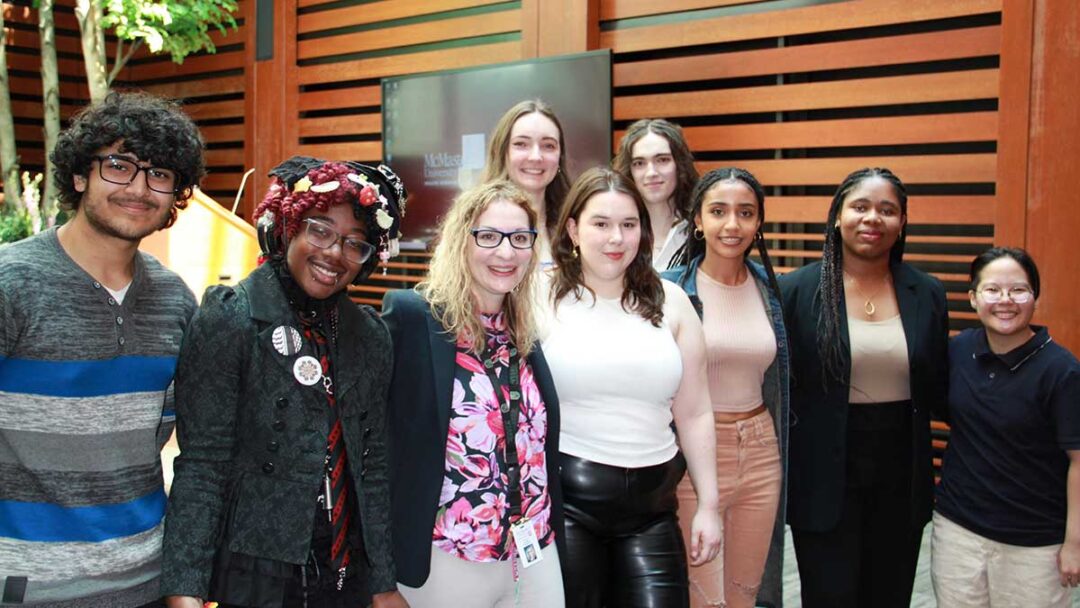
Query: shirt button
x=119, y=320
x=112, y=302
x=282, y=403
x=992, y=374
x=279, y=425
x=97, y=285
x=272, y=446
x=367, y=432
x=268, y=467
x=121, y=340
x=363, y=415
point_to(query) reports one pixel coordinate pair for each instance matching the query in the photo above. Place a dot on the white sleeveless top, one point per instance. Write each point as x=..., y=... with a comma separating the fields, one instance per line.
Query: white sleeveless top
x=616, y=375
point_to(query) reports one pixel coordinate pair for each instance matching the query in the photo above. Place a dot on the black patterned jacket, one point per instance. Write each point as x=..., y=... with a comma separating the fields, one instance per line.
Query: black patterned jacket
x=253, y=439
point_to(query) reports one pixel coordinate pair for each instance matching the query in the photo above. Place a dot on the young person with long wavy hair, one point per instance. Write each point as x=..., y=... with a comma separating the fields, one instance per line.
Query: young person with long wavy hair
x=528, y=148
x=477, y=516
x=654, y=153
x=869, y=360
x=1007, y=518
x=748, y=370
x=627, y=354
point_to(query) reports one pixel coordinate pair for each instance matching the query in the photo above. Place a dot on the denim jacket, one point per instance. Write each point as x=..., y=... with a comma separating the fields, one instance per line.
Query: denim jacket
x=775, y=394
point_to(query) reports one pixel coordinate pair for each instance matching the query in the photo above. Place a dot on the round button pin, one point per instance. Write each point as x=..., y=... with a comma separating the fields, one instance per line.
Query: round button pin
x=307, y=370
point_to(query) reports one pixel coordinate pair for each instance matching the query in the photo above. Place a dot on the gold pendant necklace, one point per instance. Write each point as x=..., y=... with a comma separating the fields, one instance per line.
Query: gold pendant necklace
x=868, y=306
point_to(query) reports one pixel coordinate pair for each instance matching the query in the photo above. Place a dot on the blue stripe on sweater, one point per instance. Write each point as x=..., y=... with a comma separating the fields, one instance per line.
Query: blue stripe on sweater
x=42, y=522
x=126, y=374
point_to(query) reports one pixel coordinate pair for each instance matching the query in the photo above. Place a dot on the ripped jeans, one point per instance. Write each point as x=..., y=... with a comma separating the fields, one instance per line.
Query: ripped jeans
x=749, y=479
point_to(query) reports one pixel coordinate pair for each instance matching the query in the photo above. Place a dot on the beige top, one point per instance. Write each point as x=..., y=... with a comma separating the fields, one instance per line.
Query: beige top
x=740, y=344
x=880, y=371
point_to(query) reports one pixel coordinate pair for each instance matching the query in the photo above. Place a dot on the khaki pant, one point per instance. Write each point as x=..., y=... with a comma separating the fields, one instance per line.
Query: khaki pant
x=748, y=476
x=971, y=571
x=456, y=583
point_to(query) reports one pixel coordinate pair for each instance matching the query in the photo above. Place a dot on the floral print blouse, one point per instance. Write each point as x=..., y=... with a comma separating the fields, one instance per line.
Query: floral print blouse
x=472, y=520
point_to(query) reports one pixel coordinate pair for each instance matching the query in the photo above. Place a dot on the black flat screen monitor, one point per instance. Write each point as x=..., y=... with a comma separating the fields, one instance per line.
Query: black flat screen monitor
x=436, y=126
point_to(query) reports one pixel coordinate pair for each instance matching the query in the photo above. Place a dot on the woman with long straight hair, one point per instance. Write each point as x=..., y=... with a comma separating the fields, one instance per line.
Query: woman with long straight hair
x=528, y=148
x=654, y=153
x=627, y=354
x=748, y=371
x=476, y=508
x=869, y=360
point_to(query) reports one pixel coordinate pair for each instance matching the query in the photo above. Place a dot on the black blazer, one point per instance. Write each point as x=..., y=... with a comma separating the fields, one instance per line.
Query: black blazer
x=419, y=416
x=253, y=439
x=817, y=448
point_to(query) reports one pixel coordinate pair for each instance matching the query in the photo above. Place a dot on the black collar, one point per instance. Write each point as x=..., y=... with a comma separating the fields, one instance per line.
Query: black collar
x=1017, y=356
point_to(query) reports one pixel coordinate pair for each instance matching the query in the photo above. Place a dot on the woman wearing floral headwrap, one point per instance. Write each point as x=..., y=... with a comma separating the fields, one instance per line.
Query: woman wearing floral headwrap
x=280, y=496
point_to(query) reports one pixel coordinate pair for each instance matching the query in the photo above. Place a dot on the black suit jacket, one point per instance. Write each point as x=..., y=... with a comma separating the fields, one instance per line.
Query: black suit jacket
x=253, y=439
x=419, y=416
x=817, y=449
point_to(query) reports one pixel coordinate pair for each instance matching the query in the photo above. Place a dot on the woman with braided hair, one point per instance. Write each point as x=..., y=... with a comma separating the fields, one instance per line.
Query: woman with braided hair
x=869, y=353
x=281, y=495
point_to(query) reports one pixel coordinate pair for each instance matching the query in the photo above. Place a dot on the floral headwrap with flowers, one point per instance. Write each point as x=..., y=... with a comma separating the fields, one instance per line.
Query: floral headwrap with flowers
x=377, y=195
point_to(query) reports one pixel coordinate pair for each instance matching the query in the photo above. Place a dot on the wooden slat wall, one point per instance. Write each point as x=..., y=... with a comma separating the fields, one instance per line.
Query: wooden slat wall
x=24, y=70
x=803, y=96
x=341, y=54
x=211, y=87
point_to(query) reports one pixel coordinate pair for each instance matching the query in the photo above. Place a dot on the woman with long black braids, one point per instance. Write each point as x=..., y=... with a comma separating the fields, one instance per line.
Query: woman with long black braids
x=281, y=496
x=868, y=337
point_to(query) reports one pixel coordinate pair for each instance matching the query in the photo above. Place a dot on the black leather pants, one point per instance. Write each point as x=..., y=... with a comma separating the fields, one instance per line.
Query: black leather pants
x=623, y=545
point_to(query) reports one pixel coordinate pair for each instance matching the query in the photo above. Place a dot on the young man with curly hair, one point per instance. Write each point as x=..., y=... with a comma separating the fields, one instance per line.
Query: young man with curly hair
x=90, y=329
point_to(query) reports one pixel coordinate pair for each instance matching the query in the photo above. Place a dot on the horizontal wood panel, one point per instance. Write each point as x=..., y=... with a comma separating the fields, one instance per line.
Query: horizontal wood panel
x=360, y=150
x=223, y=133
x=623, y=9
x=25, y=14
x=937, y=239
x=33, y=109
x=221, y=182
x=341, y=125
x=963, y=210
x=923, y=129
x=32, y=86
x=938, y=258
x=165, y=67
x=353, y=97
x=823, y=18
x=65, y=67
x=216, y=109
x=374, y=12
x=422, y=33
x=931, y=169
x=224, y=156
x=893, y=50
x=198, y=88
x=411, y=63
x=922, y=88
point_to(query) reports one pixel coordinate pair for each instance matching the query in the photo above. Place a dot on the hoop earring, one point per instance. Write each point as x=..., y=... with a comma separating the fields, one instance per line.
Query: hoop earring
x=699, y=234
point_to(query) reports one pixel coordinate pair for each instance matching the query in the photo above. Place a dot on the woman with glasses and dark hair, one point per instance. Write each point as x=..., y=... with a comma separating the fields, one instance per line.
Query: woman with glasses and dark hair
x=477, y=510
x=869, y=355
x=280, y=495
x=627, y=353
x=747, y=362
x=654, y=154
x=1007, y=517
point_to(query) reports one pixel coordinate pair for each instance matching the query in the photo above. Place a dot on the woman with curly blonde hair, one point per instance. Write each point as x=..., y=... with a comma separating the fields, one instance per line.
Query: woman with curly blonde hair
x=474, y=515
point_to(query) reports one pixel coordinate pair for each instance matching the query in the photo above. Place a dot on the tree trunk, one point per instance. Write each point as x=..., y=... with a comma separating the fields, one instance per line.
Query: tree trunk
x=89, y=14
x=50, y=93
x=9, y=158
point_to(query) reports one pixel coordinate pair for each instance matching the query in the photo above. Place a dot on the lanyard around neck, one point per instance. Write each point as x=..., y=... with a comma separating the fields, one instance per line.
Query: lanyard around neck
x=511, y=413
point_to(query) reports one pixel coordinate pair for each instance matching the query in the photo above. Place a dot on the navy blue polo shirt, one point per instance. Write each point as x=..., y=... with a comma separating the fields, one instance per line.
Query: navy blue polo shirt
x=1012, y=418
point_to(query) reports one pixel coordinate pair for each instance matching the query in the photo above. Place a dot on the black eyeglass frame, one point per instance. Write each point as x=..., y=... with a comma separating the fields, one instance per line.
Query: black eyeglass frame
x=475, y=232
x=339, y=239
x=138, y=169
